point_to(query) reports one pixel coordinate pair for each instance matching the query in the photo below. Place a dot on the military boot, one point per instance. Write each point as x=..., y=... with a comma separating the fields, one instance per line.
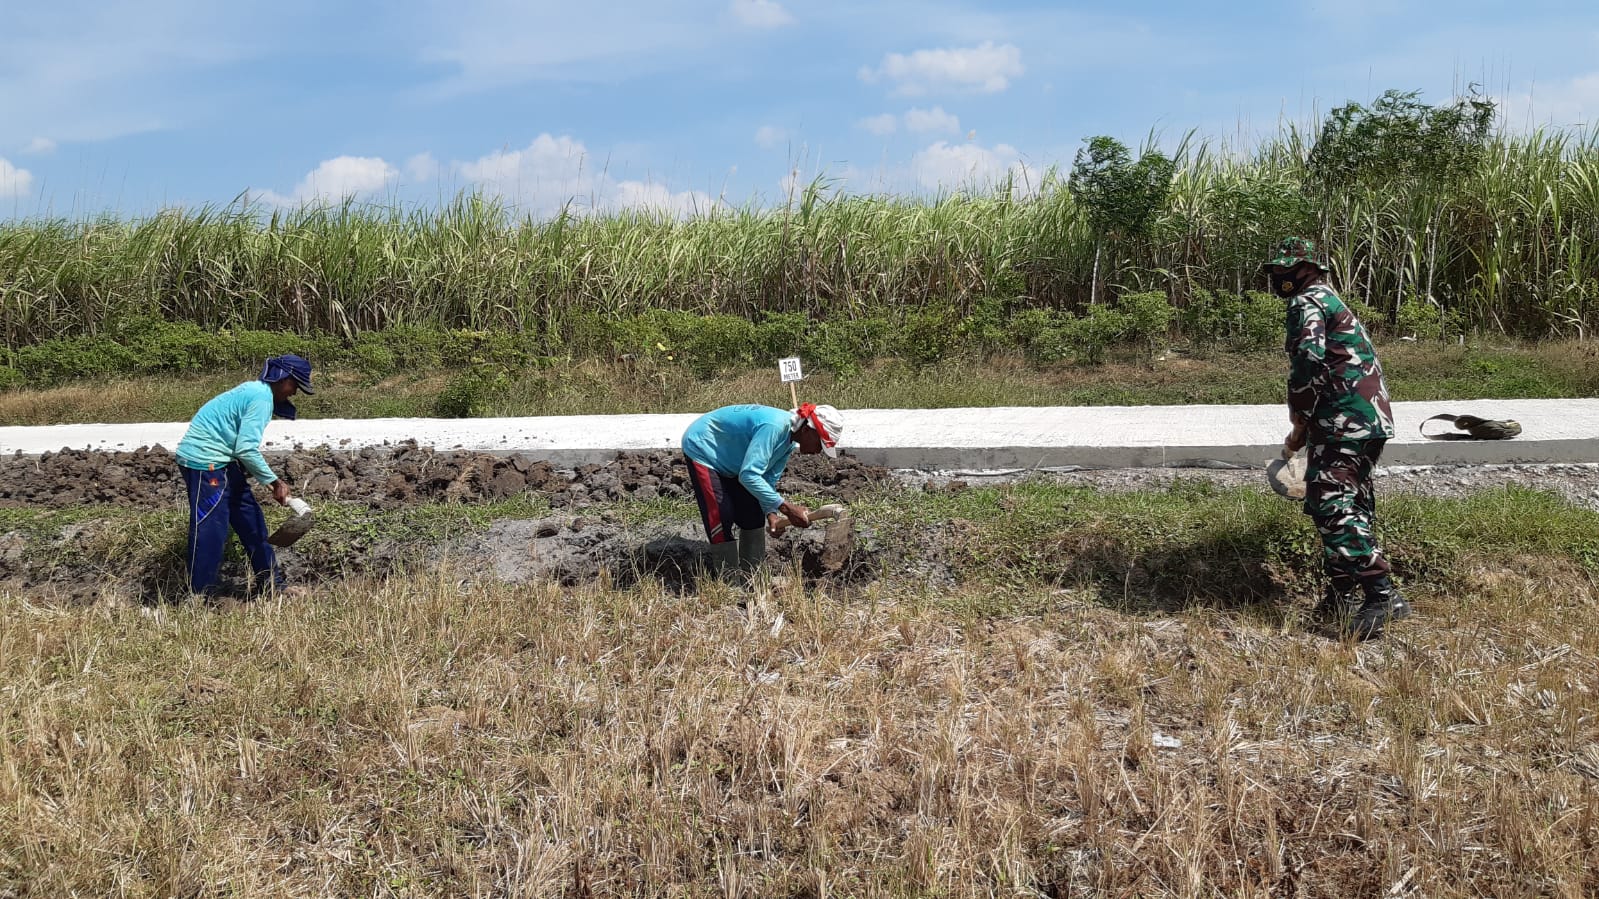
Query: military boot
x=1382, y=605
x=1337, y=605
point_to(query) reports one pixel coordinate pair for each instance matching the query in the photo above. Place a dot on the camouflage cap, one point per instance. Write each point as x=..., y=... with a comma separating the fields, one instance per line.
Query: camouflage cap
x=1294, y=250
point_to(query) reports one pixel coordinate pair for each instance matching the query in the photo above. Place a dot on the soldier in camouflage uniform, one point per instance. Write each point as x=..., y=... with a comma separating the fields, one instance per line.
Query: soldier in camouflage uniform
x=1339, y=406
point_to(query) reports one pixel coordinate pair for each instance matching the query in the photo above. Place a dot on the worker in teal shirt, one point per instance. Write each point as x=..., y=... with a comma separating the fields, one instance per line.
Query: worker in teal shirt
x=735, y=456
x=218, y=454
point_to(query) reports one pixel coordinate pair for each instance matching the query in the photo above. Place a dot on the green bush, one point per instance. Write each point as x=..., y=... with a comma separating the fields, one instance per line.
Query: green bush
x=984, y=330
x=1375, y=320
x=1039, y=333
x=780, y=334
x=587, y=334
x=1224, y=321
x=471, y=393
x=1262, y=323
x=461, y=346
x=404, y=348
x=1148, y=318
x=1094, y=332
x=926, y=336
x=709, y=344
x=843, y=344
x=1428, y=321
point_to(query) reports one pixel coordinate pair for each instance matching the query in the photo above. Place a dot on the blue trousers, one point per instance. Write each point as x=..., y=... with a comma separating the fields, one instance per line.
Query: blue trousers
x=220, y=500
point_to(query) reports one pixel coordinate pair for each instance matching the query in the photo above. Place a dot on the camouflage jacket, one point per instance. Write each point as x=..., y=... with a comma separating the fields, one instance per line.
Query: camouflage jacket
x=1334, y=379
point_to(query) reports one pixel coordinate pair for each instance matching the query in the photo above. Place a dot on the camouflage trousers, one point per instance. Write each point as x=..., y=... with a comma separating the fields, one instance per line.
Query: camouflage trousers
x=1340, y=499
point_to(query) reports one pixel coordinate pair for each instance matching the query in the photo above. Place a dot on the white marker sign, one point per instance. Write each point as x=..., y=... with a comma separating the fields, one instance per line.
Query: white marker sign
x=789, y=369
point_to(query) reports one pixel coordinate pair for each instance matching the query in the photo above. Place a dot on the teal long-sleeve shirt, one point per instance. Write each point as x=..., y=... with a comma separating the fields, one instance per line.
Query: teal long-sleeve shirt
x=229, y=428
x=751, y=443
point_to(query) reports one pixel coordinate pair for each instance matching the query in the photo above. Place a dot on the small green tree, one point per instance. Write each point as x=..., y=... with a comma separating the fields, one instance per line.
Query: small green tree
x=1411, y=158
x=1120, y=197
x=1398, y=139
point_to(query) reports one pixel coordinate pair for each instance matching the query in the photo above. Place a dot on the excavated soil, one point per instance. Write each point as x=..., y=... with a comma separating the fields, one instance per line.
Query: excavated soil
x=576, y=544
x=389, y=478
x=583, y=549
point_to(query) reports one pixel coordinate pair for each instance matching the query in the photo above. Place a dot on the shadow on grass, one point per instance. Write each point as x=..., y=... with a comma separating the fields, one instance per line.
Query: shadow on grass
x=1260, y=566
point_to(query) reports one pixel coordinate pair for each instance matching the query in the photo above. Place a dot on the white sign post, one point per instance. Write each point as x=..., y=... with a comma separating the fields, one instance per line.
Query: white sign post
x=789, y=370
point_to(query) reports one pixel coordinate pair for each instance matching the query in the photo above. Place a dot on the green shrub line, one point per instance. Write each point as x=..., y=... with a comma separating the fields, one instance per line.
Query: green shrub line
x=704, y=344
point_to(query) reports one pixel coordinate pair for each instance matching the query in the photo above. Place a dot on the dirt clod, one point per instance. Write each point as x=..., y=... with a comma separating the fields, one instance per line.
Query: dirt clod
x=390, y=477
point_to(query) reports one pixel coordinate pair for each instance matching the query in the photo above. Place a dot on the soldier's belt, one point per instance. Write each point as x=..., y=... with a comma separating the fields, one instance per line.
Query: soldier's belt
x=1475, y=428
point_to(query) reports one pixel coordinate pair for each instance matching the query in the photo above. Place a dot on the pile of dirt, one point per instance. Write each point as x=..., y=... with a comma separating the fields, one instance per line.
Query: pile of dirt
x=83, y=561
x=576, y=545
x=573, y=550
x=390, y=477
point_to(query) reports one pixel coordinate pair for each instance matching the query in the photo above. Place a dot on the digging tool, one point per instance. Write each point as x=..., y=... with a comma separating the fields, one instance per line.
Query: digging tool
x=296, y=526
x=825, y=513
x=1286, y=475
x=838, y=539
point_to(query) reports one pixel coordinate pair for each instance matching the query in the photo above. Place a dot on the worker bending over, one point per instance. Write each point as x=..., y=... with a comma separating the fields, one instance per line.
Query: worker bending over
x=735, y=455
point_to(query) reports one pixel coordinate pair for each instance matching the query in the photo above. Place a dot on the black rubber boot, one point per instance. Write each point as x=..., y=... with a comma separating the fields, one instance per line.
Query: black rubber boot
x=1338, y=604
x=751, y=550
x=722, y=560
x=1383, y=604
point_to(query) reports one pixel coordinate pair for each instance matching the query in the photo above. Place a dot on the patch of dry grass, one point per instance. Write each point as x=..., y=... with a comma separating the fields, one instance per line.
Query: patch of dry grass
x=441, y=737
x=594, y=387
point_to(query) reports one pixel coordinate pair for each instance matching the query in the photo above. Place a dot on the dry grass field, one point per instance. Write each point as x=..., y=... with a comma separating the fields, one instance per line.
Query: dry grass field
x=1028, y=731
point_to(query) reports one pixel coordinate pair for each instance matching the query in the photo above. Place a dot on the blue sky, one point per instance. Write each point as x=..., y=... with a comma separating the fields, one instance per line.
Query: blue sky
x=132, y=107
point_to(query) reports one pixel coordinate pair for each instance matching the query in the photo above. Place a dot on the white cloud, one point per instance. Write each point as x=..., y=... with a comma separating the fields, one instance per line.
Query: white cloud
x=544, y=176
x=658, y=198
x=986, y=68
x=770, y=136
x=945, y=166
x=335, y=180
x=1562, y=104
x=422, y=167
x=762, y=13
x=40, y=146
x=555, y=172
x=14, y=182
x=935, y=119
x=881, y=125
x=920, y=121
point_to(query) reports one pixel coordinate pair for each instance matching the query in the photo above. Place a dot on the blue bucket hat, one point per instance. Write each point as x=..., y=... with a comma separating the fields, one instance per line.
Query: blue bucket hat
x=290, y=366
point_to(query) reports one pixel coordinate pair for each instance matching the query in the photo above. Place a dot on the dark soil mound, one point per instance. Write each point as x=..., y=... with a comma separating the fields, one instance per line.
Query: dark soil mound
x=389, y=477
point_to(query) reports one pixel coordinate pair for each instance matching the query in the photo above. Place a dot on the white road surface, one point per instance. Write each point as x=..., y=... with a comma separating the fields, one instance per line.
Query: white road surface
x=1554, y=431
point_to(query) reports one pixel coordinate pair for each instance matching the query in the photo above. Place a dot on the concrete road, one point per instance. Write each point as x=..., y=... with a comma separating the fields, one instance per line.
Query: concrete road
x=1554, y=431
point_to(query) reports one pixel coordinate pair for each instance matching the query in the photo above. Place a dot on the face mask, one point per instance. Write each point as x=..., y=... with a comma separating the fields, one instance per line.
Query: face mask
x=1287, y=284
x=284, y=409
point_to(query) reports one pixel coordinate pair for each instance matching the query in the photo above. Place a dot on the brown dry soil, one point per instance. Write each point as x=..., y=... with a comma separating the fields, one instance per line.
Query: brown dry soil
x=390, y=478
x=580, y=541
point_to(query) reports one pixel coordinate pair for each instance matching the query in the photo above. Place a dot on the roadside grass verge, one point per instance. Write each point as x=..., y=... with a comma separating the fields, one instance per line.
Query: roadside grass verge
x=1415, y=372
x=1028, y=730
x=1190, y=544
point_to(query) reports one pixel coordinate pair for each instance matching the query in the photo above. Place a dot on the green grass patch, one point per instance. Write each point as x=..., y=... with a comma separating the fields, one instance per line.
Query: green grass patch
x=1150, y=549
x=1196, y=542
x=1420, y=371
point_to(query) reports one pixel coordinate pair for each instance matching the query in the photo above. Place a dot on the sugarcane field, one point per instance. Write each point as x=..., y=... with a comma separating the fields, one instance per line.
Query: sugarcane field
x=751, y=449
